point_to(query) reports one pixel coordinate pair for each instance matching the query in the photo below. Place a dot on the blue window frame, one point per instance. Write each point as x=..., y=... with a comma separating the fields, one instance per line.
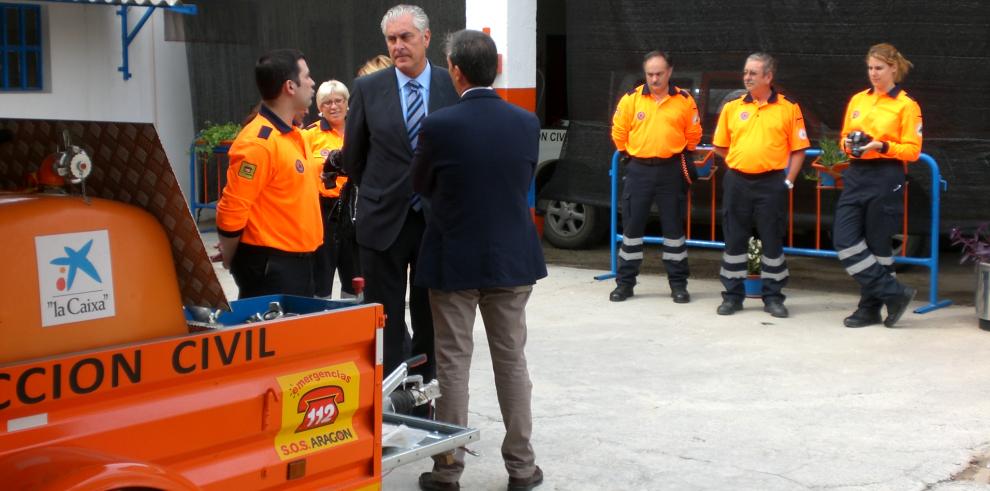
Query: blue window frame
x=20, y=47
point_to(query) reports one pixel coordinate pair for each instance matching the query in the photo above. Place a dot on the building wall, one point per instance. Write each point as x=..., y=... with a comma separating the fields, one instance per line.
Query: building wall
x=82, y=54
x=512, y=25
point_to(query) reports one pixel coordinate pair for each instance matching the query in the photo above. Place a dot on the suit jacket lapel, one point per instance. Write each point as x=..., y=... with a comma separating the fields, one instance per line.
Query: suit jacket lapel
x=393, y=101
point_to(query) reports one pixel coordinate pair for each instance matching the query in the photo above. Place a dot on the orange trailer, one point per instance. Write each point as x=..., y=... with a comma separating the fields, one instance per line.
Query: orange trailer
x=103, y=386
x=106, y=385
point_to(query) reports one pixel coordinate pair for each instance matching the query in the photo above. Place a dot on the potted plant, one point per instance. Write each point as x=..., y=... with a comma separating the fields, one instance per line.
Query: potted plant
x=830, y=164
x=212, y=143
x=976, y=249
x=753, y=282
x=215, y=135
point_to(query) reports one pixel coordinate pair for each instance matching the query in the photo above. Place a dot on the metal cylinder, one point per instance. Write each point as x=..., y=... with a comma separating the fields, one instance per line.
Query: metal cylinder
x=983, y=295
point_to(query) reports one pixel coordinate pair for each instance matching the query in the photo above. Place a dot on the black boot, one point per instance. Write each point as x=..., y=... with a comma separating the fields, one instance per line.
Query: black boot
x=862, y=317
x=729, y=307
x=621, y=293
x=680, y=294
x=775, y=308
x=898, y=305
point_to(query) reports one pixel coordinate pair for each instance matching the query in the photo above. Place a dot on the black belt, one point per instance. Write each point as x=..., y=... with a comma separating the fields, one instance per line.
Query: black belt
x=674, y=159
x=759, y=175
x=270, y=251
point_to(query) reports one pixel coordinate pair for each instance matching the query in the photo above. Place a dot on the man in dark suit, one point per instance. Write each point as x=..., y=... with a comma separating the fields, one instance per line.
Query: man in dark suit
x=386, y=110
x=475, y=162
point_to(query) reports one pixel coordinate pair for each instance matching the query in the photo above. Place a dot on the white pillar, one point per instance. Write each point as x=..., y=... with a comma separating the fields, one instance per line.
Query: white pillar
x=512, y=24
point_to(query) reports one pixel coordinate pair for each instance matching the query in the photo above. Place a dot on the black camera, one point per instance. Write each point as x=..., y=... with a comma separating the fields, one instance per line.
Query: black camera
x=855, y=142
x=332, y=167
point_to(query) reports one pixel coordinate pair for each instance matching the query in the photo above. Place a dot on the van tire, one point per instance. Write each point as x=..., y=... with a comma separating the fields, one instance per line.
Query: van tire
x=570, y=225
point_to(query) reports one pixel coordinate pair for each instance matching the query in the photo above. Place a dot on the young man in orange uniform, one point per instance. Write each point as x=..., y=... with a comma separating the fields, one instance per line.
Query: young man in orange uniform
x=268, y=218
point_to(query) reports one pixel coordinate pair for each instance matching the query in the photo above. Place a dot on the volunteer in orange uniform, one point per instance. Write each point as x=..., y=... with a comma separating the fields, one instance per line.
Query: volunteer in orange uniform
x=881, y=132
x=326, y=135
x=656, y=125
x=268, y=218
x=760, y=135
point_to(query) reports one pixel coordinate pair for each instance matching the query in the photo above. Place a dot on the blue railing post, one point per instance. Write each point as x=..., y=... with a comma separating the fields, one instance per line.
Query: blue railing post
x=193, y=198
x=194, y=203
x=613, y=235
x=933, y=301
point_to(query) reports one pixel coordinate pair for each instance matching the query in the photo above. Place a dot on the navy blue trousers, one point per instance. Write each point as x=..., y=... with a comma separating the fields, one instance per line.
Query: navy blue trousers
x=662, y=183
x=869, y=211
x=748, y=201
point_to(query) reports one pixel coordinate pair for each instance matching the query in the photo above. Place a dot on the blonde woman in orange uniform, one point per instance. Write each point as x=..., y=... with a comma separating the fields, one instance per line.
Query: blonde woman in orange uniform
x=881, y=133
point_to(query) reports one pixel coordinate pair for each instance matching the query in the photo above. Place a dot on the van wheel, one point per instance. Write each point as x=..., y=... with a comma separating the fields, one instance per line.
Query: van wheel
x=570, y=225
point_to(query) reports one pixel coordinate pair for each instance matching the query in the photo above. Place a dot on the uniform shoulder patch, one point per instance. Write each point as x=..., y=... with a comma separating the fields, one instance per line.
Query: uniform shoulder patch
x=247, y=170
x=311, y=125
x=265, y=132
x=633, y=91
x=684, y=93
x=788, y=99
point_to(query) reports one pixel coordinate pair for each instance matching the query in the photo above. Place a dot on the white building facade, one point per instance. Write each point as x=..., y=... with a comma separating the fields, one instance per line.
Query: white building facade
x=81, y=50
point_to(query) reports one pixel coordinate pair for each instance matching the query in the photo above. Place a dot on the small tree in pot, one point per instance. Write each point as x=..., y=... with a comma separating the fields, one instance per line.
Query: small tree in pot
x=830, y=164
x=976, y=249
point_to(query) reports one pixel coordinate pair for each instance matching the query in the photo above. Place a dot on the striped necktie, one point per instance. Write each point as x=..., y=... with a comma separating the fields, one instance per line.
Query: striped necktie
x=415, y=112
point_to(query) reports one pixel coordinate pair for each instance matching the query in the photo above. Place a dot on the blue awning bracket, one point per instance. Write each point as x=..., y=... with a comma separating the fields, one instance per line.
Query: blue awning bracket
x=127, y=36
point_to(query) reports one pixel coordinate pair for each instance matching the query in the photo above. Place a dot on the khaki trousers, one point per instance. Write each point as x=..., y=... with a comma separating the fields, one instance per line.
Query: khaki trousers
x=504, y=313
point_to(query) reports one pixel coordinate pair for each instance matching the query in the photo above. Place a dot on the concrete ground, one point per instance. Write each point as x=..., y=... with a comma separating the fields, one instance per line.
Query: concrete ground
x=651, y=395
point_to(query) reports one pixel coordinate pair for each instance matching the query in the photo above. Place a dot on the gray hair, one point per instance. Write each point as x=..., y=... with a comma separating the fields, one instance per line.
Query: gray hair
x=769, y=63
x=419, y=18
x=329, y=88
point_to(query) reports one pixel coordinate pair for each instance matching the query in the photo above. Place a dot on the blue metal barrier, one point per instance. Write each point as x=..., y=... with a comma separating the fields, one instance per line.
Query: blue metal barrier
x=195, y=205
x=930, y=262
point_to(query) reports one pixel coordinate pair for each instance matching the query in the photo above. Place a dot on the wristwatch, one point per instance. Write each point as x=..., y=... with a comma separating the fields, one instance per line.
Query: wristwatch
x=790, y=185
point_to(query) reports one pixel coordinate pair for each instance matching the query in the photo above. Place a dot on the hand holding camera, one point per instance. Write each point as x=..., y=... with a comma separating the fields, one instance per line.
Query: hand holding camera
x=332, y=167
x=855, y=143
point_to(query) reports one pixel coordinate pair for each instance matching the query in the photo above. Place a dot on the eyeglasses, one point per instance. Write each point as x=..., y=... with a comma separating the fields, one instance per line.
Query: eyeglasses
x=337, y=102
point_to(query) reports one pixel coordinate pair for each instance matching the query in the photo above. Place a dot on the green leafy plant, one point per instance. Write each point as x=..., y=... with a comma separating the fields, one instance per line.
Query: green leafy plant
x=213, y=134
x=753, y=253
x=831, y=153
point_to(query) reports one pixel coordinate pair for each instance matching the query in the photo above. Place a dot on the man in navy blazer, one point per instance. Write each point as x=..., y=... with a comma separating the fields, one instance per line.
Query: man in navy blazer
x=386, y=110
x=475, y=162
